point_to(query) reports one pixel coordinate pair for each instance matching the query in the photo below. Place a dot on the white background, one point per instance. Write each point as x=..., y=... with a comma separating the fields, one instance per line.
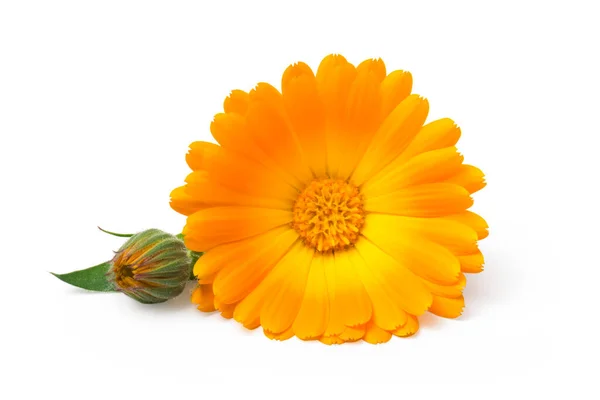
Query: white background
x=100, y=99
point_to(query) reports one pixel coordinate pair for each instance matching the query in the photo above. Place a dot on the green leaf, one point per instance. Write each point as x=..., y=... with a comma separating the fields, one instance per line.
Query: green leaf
x=93, y=278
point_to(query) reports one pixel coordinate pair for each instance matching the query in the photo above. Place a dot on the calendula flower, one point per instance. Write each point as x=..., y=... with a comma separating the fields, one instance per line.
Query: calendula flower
x=151, y=267
x=329, y=210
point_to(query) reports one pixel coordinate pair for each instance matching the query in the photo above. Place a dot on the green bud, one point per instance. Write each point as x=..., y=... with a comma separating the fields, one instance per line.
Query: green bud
x=151, y=267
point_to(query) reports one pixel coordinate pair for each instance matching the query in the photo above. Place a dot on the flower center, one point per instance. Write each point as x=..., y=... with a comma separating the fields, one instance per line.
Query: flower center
x=124, y=276
x=328, y=214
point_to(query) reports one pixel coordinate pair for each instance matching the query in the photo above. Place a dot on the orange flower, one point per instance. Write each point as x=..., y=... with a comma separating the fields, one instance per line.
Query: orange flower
x=328, y=211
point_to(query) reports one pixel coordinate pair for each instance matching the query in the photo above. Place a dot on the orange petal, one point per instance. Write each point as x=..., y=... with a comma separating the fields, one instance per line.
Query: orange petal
x=430, y=167
x=424, y=257
x=246, y=176
x=469, y=177
x=231, y=131
x=334, y=77
x=386, y=313
x=236, y=102
x=313, y=315
x=227, y=254
x=184, y=203
x=375, y=334
x=281, y=307
x=268, y=126
x=361, y=118
x=211, y=227
x=227, y=310
x=428, y=200
x=352, y=334
x=376, y=66
x=234, y=281
x=433, y=136
x=202, y=192
x=394, y=88
x=285, y=335
x=201, y=154
x=248, y=311
x=203, y=296
x=329, y=340
x=392, y=137
x=447, y=308
x=307, y=114
x=471, y=263
x=410, y=328
x=403, y=287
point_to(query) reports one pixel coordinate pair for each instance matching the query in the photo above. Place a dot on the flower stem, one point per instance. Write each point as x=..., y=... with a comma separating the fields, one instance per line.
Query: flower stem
x=117, y=234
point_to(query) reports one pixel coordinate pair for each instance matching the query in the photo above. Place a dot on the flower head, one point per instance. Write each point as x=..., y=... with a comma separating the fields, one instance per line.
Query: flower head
x=151, y=267
x=328, y=210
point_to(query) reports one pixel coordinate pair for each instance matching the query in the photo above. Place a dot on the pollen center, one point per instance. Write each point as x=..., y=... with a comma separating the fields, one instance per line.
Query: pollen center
x=328, y=214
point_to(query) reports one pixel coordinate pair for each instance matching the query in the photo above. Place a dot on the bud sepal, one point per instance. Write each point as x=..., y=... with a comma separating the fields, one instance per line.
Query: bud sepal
x=151, y=267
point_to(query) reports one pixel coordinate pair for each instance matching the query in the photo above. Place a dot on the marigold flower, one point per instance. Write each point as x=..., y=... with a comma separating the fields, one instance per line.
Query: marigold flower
x=328, y=210
x=151, y=267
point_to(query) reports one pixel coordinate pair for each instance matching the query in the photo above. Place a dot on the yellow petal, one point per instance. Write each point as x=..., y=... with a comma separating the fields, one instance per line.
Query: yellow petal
x=457, y=237
x=403, y=287
x=394, y=88
x=313, y=315
x=335, y=326
x=469, y=177
x=352, y=301
x=428, y=200
x=306, y=112
x=375, y=334
x=430, y=167
x=447, y=308
x=211, y=227
x=386, y=313
x=204, y=298
x=410, y=328
x=472, y=220
x=450, y=291
x=281, y=307
x=392, y=137
x=398, y=237
x=234, y=281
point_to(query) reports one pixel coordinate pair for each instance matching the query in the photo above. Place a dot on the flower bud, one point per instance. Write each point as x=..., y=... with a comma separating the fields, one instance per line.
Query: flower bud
x=151, y=267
